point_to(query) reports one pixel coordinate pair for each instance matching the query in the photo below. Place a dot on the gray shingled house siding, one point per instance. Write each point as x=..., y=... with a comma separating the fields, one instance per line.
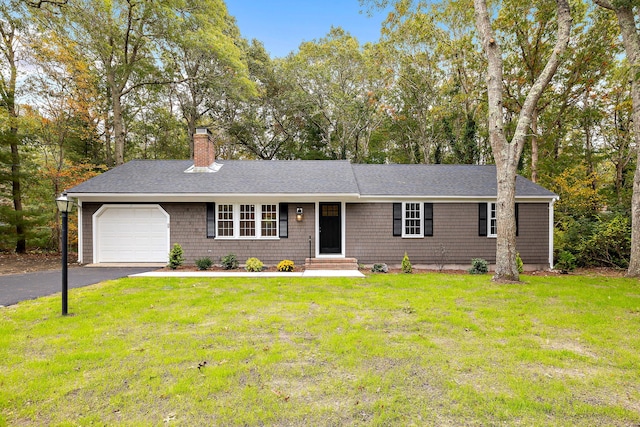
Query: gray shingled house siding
x=369, y=236
x=88, y=209
x=188, y=228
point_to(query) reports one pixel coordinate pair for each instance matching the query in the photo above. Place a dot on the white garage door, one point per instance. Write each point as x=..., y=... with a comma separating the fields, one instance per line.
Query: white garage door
x=131, y=233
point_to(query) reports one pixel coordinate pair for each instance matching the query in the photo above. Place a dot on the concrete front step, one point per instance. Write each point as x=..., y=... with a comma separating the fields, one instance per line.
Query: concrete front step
x=331, y=264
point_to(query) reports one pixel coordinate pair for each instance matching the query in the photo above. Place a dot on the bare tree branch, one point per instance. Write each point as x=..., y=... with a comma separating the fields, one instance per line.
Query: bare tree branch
x=38, y=4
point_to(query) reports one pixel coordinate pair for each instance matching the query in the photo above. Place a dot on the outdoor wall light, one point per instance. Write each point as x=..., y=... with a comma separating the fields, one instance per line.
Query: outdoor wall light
x=299, y=214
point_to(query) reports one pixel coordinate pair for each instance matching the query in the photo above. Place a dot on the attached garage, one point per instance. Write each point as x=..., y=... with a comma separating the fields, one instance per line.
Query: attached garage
x=131, y=233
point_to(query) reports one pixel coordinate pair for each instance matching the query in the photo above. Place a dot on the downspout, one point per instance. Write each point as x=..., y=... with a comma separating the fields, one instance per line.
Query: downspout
x=553, y=201
x=80, y=245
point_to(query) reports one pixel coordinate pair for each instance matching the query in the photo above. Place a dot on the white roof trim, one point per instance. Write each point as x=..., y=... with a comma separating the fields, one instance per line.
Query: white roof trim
x=297, y=197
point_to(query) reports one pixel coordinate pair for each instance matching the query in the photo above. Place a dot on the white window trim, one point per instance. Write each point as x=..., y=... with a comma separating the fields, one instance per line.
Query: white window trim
x=492, y=215
x=419, y=235
x=257, y=221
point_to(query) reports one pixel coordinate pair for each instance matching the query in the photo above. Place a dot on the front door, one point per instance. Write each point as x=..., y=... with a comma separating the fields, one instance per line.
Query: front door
x=330, y=228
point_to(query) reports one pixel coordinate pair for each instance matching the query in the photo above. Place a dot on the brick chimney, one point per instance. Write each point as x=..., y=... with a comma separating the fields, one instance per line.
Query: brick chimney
x=204, y=152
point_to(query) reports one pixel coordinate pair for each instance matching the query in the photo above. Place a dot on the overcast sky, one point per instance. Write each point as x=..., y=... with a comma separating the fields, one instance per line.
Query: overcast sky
x=282, y=25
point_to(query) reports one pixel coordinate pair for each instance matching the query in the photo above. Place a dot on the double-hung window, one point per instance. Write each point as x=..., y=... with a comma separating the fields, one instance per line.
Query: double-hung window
x=269, y=221
x=412, y=219
x=247, y=221
x=493, y=221
x=225, y=220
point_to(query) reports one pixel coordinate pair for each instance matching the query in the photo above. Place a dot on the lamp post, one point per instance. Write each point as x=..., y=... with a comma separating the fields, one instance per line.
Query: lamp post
x=65, y=206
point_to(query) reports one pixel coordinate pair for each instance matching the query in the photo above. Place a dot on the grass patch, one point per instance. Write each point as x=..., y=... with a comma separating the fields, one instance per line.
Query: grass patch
x=430, y=349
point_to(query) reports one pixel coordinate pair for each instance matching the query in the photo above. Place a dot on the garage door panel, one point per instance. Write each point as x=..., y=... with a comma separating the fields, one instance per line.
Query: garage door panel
x=132, y=234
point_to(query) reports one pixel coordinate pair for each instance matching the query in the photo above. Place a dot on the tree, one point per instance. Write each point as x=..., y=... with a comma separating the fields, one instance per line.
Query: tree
x=119, y=39
x=617, y=132
x=12, y=26
x=507, y=153
x=627, y=13
x=340, y=90
x=204, y=54
x=265, y=125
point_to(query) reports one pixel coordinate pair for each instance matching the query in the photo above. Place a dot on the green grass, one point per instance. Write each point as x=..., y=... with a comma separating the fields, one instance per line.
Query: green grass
x=430, y=349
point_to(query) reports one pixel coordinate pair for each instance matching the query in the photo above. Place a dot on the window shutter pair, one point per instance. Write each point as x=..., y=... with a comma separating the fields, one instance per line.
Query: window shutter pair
x=283, y=218
x=483, y=220
x=427, y=222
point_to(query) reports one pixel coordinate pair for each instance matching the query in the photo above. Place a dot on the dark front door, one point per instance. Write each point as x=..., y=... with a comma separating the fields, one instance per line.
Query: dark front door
x=330, y=228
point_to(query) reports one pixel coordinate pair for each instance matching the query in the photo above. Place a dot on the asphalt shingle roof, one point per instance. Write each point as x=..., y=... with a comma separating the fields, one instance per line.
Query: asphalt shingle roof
x=234, y=177
x=303, y=177
x=437, y=181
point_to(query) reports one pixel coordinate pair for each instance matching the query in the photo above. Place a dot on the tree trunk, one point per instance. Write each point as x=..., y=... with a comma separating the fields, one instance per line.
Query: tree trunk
x=507, y=154
x=8, y=99
x=534, y=146
x=191, y=130
x=118, y=128
x=634, y=260
x=16, y=192
x=506, y=268
x=631, y=40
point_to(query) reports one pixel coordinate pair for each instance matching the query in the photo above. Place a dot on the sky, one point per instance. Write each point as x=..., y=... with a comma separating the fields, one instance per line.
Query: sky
x=281, y=25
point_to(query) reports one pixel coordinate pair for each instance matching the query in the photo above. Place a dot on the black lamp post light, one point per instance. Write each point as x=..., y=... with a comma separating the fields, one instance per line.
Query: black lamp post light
x=65, y=206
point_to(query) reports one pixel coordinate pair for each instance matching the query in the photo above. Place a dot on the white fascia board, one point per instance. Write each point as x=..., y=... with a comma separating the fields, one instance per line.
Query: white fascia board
x=285, y=197
x=452, y=199
x=208, y=197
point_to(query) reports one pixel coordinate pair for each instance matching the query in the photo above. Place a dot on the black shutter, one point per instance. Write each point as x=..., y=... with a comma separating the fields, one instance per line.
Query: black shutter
x=428, y=219
x=284, y=220
x=397, y=219
x=211, y=220
x=482, y=219
x=517, y=204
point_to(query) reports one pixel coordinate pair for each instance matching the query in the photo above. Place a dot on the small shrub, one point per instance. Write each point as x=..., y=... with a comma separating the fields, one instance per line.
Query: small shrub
x=566, y=262
x=406, y=264
x=380, y=268
x=229, y=262
x=176, y=257
x=478, y=266
x=203, y=263
x=253, y=264
x=519, y=263
x=285, y=265
x=441, y=256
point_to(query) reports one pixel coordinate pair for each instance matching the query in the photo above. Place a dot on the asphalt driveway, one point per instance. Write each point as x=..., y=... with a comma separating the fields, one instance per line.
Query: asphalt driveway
x=20, y=287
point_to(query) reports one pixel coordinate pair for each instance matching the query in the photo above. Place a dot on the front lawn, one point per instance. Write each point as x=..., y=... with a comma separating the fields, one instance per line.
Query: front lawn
x=430, y=349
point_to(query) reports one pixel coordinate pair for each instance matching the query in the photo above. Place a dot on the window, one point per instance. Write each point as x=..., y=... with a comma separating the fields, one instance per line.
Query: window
x=493, y=222
x=247, y=221
x=269, y=225
x=225, y=220
x=412, y=220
